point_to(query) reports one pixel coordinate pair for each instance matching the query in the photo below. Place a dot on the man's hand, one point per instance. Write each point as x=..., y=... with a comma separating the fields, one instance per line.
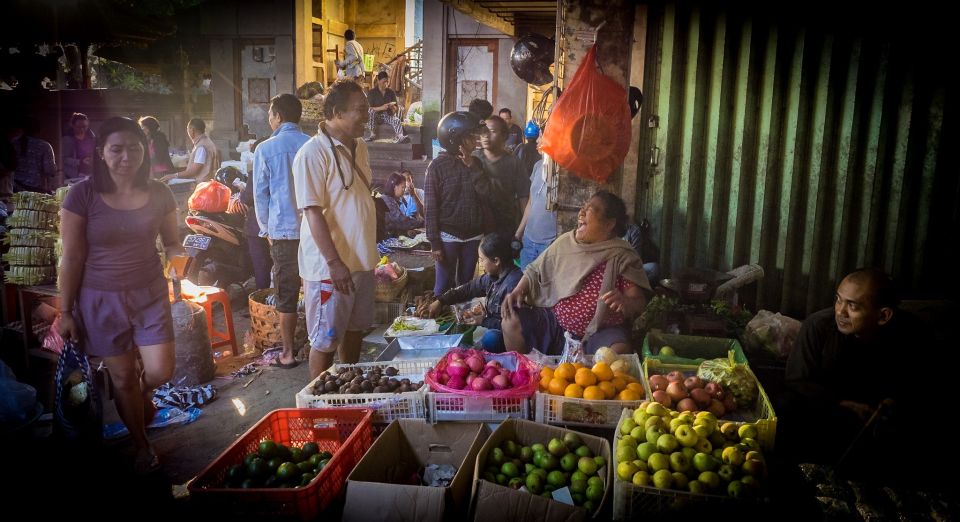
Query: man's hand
x=68, y=327
x=437, y=255
x=237, y=207
x=433, y=309
x=168, y=177
x=861, y=410
x=340, y=275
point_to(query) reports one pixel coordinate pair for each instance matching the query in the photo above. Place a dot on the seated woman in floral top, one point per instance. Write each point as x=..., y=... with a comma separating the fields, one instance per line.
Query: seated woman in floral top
x=589, y=282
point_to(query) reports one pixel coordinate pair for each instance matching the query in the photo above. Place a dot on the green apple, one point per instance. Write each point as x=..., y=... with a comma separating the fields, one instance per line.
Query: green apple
x=655, y=422
x=538, y=447
x=578, y=485
x=569, y=462
x=702, y=430
x=624, y=453
x=663, y=479
x=718, y=453
x=726, y=473
x=689, y=453
x=717, y=439
x=680, y=480
x=667, y=443
x=578, y=498
x=706, y=415
x=703, y=445
x=748, y=431
x=572, y=440
x=755, y=455
x=595, y=481
x=639, y=433
x=640, y=416
x=751, y=444
x=658, y=461
x=549, y=462
x=595, y=493
x=625, y=471
x=696, y=487
x=710, y=479
x=753, y=468
x=534, y=484
x=641, y=465
x=579, y=475
x=497, y=456
x=674, y=423
x=587, y=466
x=557, y=479
x=645, y=450
x=686, y=436
x=516, y=483
x=600, y=461
x=732, y=456
x=557, y=447
x=653, y=434
x=626, y=440
x=538, y=457
x=750, y=482
x=590, y=506
x=641, y=478
x=510, y=470
x=627, y=425
x=528, y=468
x=736, y=489
x=704, y=462
x=584, y=451
x=729, y=431
x=667, y=351
x=502, y=479
x=542, y=472
x=526, y=454
x=657, y=409
x=679, y=462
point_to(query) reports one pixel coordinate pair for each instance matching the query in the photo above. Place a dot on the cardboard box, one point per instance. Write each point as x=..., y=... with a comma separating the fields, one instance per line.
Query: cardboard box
x=495, y=502
x=377, y=490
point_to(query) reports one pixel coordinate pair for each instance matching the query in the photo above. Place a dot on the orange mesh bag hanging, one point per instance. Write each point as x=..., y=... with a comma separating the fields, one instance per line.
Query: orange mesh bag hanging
x=210, y=196
x=588, y=132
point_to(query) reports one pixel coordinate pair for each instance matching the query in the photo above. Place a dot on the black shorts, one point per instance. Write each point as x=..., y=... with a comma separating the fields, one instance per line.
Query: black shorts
x=286, y=273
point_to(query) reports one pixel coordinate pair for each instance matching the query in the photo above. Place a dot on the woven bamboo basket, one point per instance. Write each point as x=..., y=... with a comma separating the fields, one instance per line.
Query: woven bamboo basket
x=388, y=292
x=265, y=322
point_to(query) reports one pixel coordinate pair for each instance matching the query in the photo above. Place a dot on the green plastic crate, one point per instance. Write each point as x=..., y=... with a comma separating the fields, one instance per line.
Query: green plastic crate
x=691, y=349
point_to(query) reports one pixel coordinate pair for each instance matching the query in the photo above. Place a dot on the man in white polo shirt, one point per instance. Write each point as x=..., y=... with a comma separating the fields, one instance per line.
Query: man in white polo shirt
x=338, y=249
x=203, y=157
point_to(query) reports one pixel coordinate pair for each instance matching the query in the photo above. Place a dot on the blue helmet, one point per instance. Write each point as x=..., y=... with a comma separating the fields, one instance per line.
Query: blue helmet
x=532, y=130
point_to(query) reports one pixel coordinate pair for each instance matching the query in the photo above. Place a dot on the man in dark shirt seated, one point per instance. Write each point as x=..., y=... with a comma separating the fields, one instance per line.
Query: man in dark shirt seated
x=847, y=363
x=384, y=108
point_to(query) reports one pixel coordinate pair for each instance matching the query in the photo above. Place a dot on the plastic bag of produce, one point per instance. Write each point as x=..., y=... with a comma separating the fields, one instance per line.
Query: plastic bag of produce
x=477, y=373
x=78, y=412
x=589, y=129
x=772, y=332
x=735, y=378
x=210, y=196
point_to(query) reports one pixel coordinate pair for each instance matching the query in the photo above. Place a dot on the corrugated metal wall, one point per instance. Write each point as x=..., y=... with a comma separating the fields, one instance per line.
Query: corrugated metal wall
x=806, y=150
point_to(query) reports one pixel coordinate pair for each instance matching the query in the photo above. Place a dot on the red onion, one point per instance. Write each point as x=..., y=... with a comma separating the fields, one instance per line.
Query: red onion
x=495, y=363
x=456, y=357
x=470, y=378
x=443, y=377
x=500, y=382
x=475, y=362
x=520, y=378
x=505, y=372
x=458, y=369
x=480, y=384
x=457, y=383
x=489, y=372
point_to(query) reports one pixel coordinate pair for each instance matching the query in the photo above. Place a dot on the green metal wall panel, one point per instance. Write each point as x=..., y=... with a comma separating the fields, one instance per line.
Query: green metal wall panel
x=808, y=150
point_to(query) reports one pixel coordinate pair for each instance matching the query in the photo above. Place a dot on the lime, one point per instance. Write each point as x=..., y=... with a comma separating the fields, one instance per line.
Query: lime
x=257, y=468
x=595, y=493
x=236, y=473
x=288, y=471
x=267, y=449
x=296, y=455
x=310, y=449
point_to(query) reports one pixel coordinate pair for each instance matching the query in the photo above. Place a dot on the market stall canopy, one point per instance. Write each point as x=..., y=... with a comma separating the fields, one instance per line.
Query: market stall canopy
x=90, y=21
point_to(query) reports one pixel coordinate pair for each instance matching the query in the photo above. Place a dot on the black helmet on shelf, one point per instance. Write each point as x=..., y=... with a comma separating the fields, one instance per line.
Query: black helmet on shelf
x=454, y=126
x=531, y=58
x=229, y=175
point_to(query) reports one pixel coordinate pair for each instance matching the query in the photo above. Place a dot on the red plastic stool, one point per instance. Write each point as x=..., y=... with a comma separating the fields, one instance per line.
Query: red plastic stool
x=219, y=338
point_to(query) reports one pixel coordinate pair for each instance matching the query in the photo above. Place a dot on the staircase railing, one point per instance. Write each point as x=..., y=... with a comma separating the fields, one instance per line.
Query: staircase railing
x=413, y=76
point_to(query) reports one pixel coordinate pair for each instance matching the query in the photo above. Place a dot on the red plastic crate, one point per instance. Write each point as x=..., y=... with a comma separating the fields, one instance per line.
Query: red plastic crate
x=345, y=432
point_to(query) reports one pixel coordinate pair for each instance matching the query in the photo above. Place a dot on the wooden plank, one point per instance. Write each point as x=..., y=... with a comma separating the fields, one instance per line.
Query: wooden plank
x=482, y=15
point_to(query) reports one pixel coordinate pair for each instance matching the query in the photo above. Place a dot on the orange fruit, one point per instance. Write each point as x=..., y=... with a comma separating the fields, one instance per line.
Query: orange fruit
x=602, y=371
x=625, y=376
x=609, y=390
x=573, y=391
x=629, y=395
x=636, y=387
x=547, y=372
x=577, y=365
x=594, y=393
x=585, y=377
x=565, y=371
x=557, y=385
x=619, y=383
x=545, y=382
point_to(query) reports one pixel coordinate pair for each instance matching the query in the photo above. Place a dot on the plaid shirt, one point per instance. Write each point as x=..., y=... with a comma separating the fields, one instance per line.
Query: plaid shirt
x=452, y=199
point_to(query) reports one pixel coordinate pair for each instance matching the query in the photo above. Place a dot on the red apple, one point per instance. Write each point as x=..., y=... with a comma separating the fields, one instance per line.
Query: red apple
x=701, y=397
x=716, y=408
x=729, y=403
x=715, y=390
x=676, y=391
x=658, y=382
x=687, y=405
x=693, y=382
x=675, y=376
x=662, y=397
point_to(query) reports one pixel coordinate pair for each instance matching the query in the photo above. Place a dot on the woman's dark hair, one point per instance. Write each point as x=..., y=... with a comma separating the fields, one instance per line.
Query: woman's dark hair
x=382, y=75
x=390, y=186
x=102, y=182
x=150, y=123
x=613, y=208
x=349, y=35
x=338, y=97
x=496, y=246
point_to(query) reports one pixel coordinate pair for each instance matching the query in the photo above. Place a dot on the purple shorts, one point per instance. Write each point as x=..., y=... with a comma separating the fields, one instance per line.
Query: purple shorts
x=116, y=322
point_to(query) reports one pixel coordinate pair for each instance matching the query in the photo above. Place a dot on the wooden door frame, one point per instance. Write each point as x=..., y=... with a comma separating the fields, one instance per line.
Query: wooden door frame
x=451, y=80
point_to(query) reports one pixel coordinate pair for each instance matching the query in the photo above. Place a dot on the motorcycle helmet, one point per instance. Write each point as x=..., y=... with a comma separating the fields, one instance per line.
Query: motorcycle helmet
x=531, y=58
x=454, y=126
x=532, y=130
x=229, y=176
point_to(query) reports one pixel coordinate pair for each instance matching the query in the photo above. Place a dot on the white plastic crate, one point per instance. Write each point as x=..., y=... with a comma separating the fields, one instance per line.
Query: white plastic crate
x=386, y=406
x=557, y=409
x=453, y=407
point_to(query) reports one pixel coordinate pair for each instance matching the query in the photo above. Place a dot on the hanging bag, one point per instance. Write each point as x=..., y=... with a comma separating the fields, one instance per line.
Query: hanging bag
x=78, y=412
x=588, y=132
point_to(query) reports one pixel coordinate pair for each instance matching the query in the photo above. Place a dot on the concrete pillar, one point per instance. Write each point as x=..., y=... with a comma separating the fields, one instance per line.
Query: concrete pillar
x=225, y=132
x=283, y=46
x=434, y=51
